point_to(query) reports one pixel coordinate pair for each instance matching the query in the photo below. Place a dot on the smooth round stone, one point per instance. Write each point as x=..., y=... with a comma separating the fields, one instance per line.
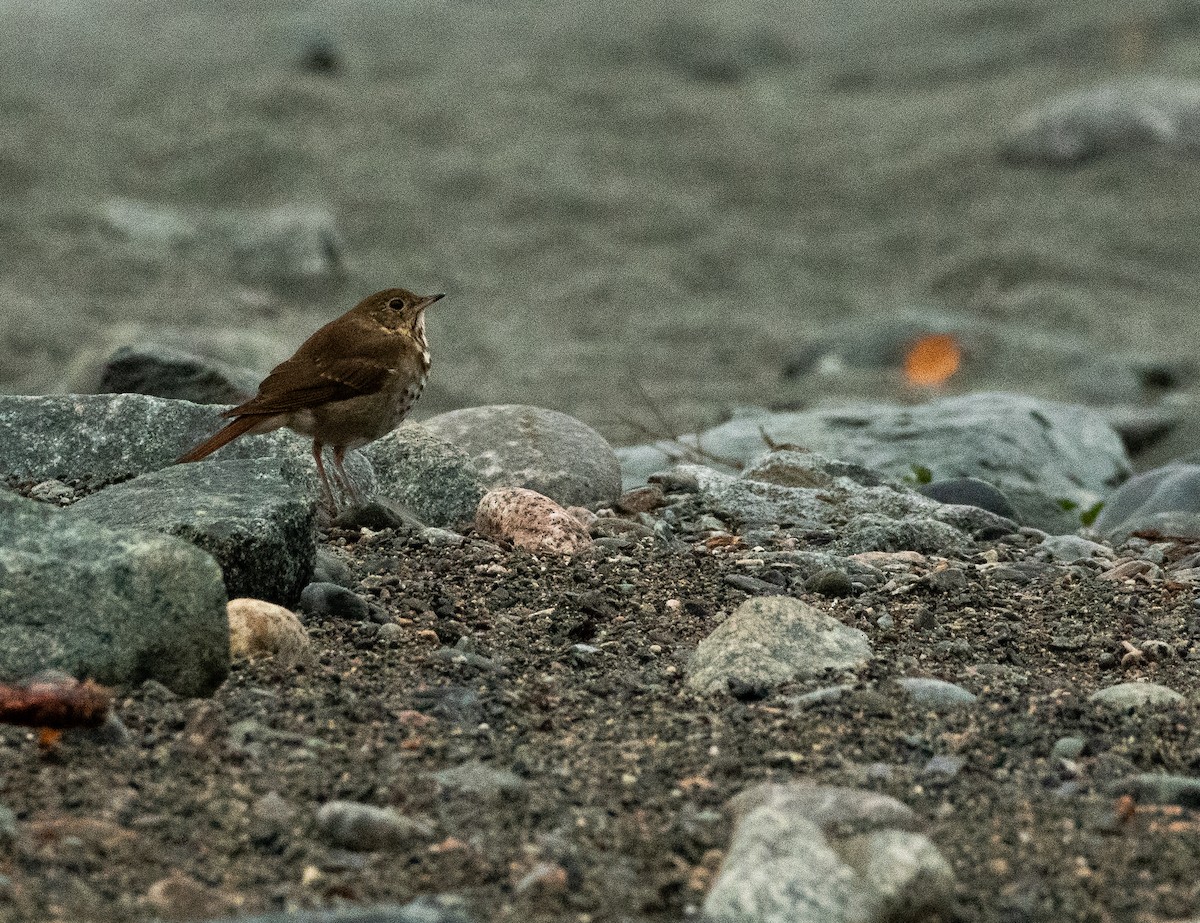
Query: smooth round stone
x=1135, y=695
x=329, y=599
x=936, y=693
x=1068, y=748
x=967, y=491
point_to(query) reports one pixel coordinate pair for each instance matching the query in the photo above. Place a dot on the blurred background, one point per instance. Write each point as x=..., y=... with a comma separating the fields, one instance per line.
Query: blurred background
x=646, y=214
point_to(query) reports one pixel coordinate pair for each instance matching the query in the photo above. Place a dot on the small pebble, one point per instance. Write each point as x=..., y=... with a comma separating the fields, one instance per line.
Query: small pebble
x=366, y=828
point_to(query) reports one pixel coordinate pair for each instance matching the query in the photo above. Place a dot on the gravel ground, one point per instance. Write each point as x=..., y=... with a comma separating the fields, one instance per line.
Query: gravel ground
x=613, y=809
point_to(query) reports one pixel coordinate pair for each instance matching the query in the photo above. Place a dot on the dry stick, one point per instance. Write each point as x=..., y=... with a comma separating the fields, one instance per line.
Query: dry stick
x=669, y=432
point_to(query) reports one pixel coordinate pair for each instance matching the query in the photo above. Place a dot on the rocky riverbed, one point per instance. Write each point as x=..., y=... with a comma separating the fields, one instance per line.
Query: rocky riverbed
x=686, y=598
x=804, y=690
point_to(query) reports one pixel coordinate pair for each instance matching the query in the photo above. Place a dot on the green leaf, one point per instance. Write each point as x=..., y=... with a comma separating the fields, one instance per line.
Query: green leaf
x=1088, y=516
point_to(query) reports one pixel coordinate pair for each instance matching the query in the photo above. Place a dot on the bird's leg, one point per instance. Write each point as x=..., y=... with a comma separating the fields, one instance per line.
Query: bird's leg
x=339, y=466
x=326, y=492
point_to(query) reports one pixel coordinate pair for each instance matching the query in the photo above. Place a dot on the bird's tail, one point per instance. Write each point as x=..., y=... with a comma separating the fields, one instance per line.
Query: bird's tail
x=238, y=427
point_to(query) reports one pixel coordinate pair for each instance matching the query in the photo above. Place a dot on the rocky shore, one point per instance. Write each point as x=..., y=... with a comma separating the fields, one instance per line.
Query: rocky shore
x=863, y=665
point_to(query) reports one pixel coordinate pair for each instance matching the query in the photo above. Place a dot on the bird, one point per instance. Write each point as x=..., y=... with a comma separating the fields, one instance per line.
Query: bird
x=353, y=381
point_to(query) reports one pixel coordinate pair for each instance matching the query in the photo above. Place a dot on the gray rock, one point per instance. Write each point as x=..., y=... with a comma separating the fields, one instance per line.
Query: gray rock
x=1068, y=748
x=1165, y=500
x=476, y=778
x=1135, y=695
x=969, y=491
x=936, y=694
x=366, y=828
x=117, y=606
x=640, y=462
x=833, y=808
x=329, y=568
x=428, y=475
x=328, y=600
x=803, y=852
x=284, y=244
x=910, y=878
x=1115, y=116
x=1037, y=452
x=877, y=516
x=780, y=869
x=102, y=438
x=770, y=640
x=512, y=445
x=422, y=910
x=1068, y=549
x=1159, y=788
x=245, y=513
x=162, y=371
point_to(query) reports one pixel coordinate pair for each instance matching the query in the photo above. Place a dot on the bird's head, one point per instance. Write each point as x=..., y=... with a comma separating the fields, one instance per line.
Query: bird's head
x=397, y=308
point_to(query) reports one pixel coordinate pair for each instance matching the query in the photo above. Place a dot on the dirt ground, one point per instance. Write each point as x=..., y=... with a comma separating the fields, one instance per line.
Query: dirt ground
x=621, y=771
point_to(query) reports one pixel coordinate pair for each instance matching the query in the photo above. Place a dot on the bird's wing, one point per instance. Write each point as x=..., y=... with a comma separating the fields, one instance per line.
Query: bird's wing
x=316, y=376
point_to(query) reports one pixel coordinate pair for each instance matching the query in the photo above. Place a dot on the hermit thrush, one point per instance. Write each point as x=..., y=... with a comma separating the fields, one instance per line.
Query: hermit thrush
x=351, y=382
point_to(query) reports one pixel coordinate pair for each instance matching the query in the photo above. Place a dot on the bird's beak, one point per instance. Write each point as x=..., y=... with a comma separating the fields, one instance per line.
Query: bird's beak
x=426, y=302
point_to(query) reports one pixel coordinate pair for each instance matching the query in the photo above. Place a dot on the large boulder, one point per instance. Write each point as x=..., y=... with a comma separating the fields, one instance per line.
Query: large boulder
x=426, y=474
x=1165, y=501
x=513, y=445
x=1051, y=460
x=119, y=606
x=246, y=513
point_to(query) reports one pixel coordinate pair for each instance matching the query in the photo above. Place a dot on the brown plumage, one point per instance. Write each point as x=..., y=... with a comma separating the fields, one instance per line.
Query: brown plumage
x=348, y=384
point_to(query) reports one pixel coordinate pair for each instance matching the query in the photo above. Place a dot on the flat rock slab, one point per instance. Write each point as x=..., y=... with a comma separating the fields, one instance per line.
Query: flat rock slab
x=109, y=437
x=512, y=445
x=119, y=606
x=1039, y=453
x=102, y=438
x=806, y=491
x=770, y=640
x=246, y=513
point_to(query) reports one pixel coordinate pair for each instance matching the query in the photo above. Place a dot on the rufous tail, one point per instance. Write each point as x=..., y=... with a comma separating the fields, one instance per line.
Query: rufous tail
x=238, y=427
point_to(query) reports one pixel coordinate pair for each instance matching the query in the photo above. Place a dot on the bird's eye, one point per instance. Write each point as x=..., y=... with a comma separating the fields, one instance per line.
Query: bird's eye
x=396, y=304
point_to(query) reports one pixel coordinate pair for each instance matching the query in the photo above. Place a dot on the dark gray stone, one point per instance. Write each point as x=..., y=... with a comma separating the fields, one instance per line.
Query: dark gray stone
x=428, y=475
x=970, y=492
x=512, y=445
x=119, y=606
x=244, y=512
x=328, y=600
x=162, y=371
x=1165, y=501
